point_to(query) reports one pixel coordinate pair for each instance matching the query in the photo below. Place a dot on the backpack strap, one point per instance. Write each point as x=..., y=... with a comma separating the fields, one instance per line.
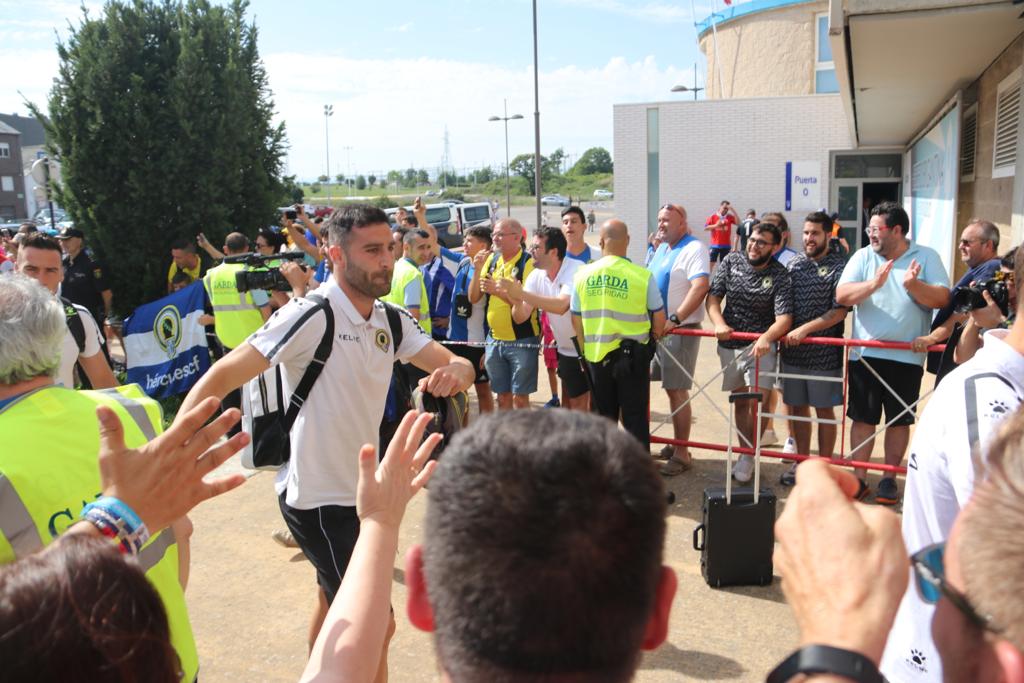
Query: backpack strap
x=75, y=324
x=315, y=367
x=395, y=323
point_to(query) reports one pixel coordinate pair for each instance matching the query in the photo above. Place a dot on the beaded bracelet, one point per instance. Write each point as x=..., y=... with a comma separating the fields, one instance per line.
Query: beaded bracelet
x=114, y=519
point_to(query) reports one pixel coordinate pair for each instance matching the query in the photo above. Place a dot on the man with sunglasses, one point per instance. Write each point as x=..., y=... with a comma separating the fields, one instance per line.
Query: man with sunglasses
x=843, y=563
x=893, y=287
x=967, y=408
x=680, y=268
x=979, y=247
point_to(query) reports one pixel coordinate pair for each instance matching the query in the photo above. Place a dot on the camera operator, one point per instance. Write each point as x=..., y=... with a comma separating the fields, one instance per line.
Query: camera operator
x=994, y=315
x=236, y=314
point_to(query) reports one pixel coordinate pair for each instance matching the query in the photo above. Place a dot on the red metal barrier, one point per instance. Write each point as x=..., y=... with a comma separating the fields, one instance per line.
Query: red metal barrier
x=824, y=341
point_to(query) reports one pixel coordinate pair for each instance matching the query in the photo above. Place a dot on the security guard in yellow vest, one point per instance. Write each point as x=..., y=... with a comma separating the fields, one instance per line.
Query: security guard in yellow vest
x=408, y=289
x=48, y=465
x=613, y=304
x=236, y=315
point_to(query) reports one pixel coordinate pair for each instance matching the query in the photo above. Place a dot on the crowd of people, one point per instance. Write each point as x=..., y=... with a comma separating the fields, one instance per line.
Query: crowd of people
x=383, y=311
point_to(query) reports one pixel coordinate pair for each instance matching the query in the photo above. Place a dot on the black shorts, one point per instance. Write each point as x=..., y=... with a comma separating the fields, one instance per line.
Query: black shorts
x=868, y=396
x=475, y=355
x=719, y=253
x=573, y=379
x=327, y=536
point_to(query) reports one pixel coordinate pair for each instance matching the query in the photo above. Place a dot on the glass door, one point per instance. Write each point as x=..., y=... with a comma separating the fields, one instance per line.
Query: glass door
x=846, y=197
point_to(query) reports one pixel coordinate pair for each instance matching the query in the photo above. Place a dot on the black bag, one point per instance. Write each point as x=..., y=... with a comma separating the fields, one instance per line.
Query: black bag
x=264, y=415
x=736, y=537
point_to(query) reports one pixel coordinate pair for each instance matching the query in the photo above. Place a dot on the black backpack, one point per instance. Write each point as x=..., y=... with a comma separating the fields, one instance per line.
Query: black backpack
x=74, y=322
x=265, y=416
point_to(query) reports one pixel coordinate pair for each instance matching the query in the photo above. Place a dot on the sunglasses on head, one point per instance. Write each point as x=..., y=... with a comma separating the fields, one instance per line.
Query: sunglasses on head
x=673, y=207
x=930, y=575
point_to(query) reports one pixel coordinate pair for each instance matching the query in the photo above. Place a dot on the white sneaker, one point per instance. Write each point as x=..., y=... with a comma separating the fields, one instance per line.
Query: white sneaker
x=769, y=438
x=744, y=469
x=790, y=446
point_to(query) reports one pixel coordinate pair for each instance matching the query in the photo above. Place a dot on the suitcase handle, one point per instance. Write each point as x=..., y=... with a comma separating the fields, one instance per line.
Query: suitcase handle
x=699, y=538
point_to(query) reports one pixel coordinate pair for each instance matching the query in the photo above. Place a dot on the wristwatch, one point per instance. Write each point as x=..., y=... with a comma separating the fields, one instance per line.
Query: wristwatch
x=824, y=659
x=674, y=319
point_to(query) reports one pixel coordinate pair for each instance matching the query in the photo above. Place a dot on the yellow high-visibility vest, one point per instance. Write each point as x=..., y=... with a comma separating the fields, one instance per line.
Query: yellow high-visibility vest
x=405, y=272
x=235, y=315
x=612, y=296
x=49, y=472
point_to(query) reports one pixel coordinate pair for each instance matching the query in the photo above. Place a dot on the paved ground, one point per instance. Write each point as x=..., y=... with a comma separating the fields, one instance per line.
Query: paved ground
x=250, y=599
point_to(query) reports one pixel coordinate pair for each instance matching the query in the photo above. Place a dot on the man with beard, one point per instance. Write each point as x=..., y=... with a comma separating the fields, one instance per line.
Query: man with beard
x=894, y=286
x=758, y=299
x=814, y=274
x=318, y=494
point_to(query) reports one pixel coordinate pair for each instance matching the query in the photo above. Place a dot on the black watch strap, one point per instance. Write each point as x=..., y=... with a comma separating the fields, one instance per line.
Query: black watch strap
x=674, y=319
x=824, y=659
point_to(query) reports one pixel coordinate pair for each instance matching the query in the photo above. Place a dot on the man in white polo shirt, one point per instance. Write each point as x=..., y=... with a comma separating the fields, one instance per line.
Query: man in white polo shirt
x=680, y=267
x=345, y=406
x=549, y=288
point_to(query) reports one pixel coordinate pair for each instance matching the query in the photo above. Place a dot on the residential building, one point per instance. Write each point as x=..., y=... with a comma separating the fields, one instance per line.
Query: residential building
x=12, y=181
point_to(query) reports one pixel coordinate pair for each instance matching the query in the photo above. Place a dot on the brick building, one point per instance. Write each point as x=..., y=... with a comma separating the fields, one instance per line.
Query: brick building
x=12, y=181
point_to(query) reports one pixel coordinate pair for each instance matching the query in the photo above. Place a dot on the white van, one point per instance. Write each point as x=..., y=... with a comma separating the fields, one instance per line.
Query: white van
x=447, y=219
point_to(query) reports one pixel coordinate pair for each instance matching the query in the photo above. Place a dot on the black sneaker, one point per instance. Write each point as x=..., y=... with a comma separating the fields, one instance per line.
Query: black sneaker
x=888, y=492
x=863, y=490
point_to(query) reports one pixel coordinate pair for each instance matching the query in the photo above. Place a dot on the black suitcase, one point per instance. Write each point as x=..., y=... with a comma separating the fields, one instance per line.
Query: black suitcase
x=736, y=537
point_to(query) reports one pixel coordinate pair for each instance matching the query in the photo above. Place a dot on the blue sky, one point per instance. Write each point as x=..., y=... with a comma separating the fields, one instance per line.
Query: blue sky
x=398, y=72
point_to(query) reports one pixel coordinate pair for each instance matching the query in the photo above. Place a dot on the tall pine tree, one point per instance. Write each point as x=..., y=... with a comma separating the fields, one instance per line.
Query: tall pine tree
x=162, y=118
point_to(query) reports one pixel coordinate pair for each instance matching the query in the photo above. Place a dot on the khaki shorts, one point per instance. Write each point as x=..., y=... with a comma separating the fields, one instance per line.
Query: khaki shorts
x=739, y=368
x=675, y=350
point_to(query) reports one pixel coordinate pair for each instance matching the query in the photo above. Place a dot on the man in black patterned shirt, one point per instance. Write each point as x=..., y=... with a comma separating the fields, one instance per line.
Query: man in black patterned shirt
x=814, y=274
x=758, y=299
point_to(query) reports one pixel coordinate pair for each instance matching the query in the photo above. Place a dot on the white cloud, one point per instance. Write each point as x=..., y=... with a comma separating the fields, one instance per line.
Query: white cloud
x=393, y=112
x=680, y=11
x=403, y=28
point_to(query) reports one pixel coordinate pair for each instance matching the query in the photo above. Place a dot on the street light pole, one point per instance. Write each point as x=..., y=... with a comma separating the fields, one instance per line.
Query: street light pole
x=536, y=119
x=508, y=191
x=328, y=113
x=348, y=166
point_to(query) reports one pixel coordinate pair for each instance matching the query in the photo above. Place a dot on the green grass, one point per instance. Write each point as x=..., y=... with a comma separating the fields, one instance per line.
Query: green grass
x=581, y=187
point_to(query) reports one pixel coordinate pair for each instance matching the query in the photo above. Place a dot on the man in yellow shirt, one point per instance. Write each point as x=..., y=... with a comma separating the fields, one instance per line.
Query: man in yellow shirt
x=512, y=343
x=184, y=260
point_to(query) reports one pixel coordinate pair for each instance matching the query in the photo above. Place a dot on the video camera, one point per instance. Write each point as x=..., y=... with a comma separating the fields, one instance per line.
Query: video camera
x=969, y=298
x=260, y=274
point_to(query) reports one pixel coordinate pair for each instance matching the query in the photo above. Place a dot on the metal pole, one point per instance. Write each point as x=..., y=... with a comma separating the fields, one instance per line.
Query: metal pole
x=695, y=81
x=508, y=189
x=49, y=196
x=328, y=111
x=536, y=118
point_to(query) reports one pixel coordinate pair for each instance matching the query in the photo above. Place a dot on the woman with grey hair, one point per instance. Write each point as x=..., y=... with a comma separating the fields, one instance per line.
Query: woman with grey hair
x=31, y=334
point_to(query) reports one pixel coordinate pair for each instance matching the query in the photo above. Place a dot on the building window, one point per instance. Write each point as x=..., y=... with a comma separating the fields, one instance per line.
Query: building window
x=969, y=143
x=7, y=183
x=1004, y=148
x=825, y=80
x=653, y=170
x=5, y=150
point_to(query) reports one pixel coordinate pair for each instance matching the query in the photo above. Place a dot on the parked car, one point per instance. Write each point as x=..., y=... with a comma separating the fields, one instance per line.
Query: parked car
x=447, y=217
x=603, y=194
x=554, y=200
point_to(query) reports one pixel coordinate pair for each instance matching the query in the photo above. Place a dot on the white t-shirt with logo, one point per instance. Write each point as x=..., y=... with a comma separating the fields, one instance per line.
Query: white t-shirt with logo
x=538, y=282
x=69, y=352
x=964, y=412
x=345, y=407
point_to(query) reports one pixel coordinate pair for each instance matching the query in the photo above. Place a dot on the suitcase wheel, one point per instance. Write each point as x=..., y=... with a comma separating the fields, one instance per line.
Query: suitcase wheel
x=698, y=537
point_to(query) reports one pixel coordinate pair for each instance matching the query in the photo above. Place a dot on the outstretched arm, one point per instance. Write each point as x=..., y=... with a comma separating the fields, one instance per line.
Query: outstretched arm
x=350, y=641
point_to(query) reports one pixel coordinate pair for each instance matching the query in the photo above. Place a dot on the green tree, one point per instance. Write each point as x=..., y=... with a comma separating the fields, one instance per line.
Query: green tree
x=360, y=182
x=326, y=179
x=594, y=160
x=410, y=177
x=162, y=117
x=422, y=177
x=371, y=180
x=315, y=188
x=485, y=175
x=293, y=193
x=522, y=166
x=340, y=178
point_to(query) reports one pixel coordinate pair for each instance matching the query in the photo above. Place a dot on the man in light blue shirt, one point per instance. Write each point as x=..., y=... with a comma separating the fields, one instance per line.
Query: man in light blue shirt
x=895, y=288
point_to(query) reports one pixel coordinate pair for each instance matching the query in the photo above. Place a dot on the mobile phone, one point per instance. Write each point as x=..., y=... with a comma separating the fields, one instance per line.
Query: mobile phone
x=291, y=214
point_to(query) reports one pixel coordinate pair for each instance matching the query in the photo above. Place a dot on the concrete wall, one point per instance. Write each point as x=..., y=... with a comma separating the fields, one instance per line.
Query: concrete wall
x=988, y=197
x=765, y=54
x=712, y=150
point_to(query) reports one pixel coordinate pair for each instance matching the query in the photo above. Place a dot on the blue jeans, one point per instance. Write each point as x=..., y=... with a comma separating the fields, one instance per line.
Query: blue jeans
x=512, y=366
